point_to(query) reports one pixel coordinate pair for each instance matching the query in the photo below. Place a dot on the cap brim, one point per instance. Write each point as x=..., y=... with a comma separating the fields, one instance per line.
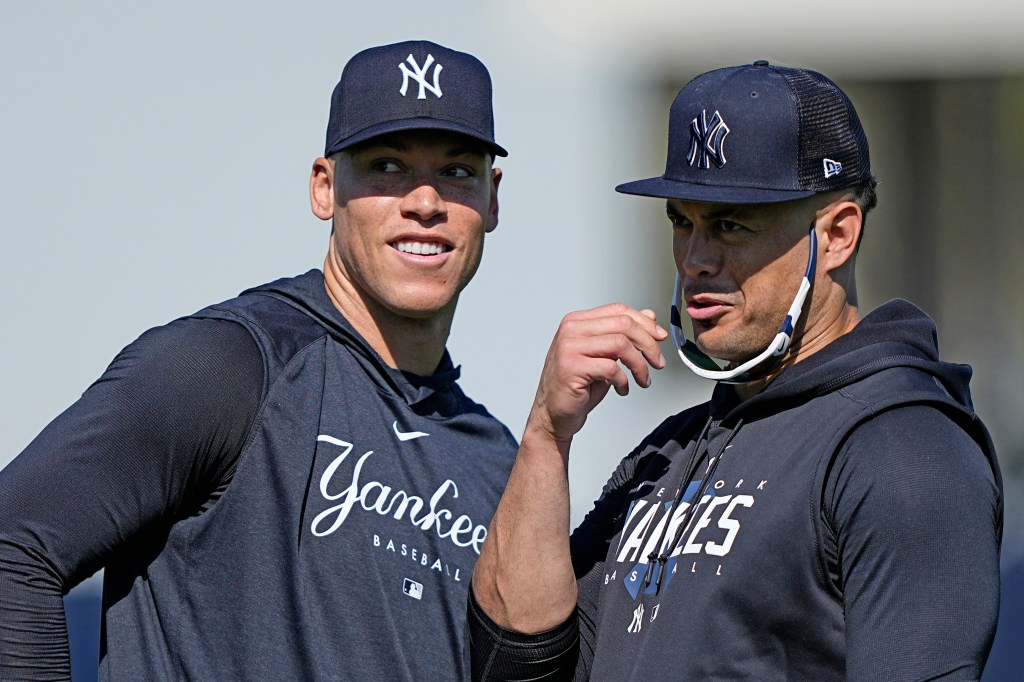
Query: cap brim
x=710, y=194
x=415, y=124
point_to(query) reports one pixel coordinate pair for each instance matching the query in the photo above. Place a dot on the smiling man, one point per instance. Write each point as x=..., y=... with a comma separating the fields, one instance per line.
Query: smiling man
x=834, y=512
x=289, y=485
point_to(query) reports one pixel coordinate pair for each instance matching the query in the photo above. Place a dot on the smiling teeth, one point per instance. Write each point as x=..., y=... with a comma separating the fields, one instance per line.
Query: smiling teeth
x=419, y=248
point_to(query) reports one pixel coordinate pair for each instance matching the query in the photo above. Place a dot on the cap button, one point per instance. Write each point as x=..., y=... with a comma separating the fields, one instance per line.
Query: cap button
x=761, y=62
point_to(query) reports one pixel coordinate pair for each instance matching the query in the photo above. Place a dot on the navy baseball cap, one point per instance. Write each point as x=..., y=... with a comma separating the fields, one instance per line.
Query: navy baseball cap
x=411, y=85
x=759, y=134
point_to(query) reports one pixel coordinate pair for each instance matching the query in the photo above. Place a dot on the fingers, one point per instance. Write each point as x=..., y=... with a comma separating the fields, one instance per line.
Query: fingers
x=622, y=333
x=595, y=350
x=607, y=346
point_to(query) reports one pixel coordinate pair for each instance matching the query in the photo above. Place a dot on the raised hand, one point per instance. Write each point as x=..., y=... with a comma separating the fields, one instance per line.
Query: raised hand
x=589, y=355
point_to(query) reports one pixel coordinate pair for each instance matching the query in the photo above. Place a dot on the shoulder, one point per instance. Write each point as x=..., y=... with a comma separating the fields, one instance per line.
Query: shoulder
x=914, y=438
x=914, y=461
x=280, y=327
x=188, y=366
x=190, y=346
x=904, y=417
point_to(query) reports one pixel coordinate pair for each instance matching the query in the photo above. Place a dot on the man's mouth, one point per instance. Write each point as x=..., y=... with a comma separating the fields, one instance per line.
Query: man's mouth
x=421, y=248
x=705, y=308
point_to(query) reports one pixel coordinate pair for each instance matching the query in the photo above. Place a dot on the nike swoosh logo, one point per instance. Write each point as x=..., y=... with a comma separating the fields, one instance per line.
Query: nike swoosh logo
x=404, y=436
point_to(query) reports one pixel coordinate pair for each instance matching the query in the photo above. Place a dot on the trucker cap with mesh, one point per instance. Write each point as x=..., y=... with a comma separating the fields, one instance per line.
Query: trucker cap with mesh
x=759, y=133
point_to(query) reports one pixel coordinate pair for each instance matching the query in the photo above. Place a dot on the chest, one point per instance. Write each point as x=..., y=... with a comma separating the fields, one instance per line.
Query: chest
x=722, y=567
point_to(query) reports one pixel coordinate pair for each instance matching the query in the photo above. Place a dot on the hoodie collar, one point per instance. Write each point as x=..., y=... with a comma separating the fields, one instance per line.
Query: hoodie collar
x=897, y=333
x=308, y=294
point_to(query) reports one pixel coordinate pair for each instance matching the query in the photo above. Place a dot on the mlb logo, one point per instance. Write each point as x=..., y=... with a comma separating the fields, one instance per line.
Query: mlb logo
x=413, y=589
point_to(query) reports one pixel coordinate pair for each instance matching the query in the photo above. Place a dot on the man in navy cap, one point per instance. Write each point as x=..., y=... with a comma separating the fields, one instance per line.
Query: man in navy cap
x=289, y=485
x=834, y=512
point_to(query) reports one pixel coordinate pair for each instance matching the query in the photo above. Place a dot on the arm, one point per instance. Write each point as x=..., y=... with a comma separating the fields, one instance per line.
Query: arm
x=914, y=507
x=530, y=528
x=151, y=441
x=566, y=652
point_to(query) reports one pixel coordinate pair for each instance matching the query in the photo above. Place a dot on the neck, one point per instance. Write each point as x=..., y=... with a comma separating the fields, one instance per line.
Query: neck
x=410, y=344
x=809, y=343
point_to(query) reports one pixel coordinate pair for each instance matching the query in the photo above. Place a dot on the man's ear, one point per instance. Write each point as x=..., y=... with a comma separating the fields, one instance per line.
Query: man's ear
x=840, y=225
x=492, y=212
x=321, y=189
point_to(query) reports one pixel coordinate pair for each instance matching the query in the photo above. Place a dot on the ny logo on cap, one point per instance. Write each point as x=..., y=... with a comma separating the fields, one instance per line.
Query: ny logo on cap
x=419, y=75
x=707, y=140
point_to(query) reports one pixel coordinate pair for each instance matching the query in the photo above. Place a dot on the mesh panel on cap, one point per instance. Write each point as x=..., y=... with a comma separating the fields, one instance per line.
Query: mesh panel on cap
x=829, y=128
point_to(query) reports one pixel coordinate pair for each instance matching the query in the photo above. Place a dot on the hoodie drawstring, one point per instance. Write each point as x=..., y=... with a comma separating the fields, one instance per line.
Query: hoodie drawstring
x=691, y=469
x=661, y=558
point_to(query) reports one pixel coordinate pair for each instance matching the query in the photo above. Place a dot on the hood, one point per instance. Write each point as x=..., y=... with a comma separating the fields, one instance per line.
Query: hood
x=307, y=294
x=897, y=333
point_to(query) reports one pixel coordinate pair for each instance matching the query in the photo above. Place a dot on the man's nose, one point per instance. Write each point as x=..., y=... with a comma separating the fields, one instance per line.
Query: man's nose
x=424, y=202
x=701, y=257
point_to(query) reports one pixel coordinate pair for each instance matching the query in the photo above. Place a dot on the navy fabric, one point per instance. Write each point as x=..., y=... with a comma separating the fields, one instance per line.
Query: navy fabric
x=411, y=85
x=331, y=537
x=850, y=530
x=154, y=439
x=759, y=134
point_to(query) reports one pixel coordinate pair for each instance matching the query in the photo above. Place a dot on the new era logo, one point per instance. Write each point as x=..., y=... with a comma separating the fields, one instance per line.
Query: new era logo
x=420, y=76
x=707, y=140
x=832, y=167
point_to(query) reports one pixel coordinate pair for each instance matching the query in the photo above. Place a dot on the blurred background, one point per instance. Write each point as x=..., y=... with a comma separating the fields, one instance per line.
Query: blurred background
x=154, y=159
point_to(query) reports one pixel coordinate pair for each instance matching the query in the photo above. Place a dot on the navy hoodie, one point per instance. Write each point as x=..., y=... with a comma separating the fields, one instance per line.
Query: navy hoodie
x=326, y=530
x=842, y=524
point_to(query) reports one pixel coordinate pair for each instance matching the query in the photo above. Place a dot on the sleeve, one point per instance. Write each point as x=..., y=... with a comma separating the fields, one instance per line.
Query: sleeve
x=913, y=507
x=506, y=656
x=562, y=654
x=153, y=440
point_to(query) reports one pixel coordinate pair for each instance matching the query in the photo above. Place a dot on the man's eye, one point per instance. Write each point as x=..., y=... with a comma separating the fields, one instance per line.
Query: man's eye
x=677, y=219
x=729, y=226
x=457, y=172
x=385, y=166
